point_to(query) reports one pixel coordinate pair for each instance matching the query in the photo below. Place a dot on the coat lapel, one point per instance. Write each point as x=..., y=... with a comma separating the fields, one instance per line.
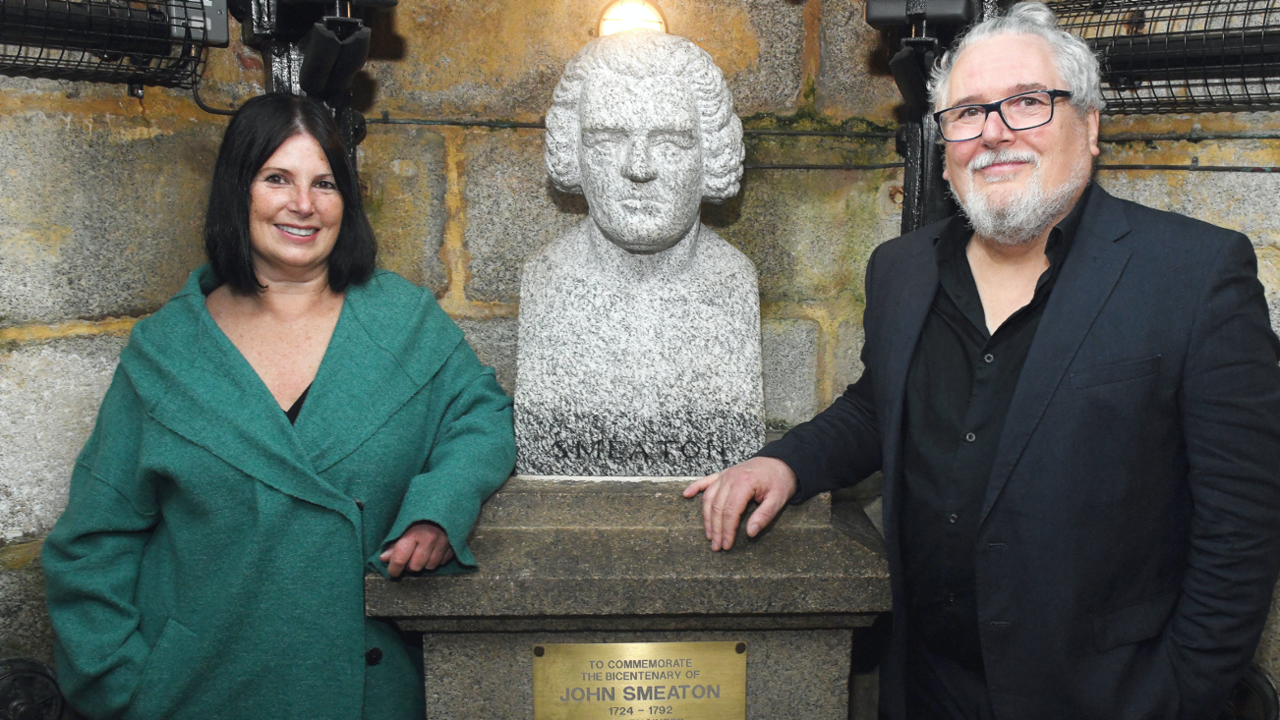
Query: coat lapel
x=197, y=384
x=391, y=340
x=1088, y=276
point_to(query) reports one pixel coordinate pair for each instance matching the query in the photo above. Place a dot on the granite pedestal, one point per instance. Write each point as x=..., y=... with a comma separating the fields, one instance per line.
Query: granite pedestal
x=566, y=560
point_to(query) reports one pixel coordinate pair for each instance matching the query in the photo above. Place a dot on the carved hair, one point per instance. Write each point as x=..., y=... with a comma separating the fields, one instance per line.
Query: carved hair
x=643, y=54
x=1075, y=62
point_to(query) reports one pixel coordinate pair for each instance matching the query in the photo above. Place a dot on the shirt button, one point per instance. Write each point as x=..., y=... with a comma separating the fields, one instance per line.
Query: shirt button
x=373, y=657
x=953, y=518
x=970, y=437
x=951, y=597
x=359, y=505
x=989, y=357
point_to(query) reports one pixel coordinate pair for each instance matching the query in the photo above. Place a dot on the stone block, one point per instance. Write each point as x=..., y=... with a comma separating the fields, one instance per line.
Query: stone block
x=770, y=81
x=848, y=367
x=511, y=209
x=101, y=215
x=808, y=232
x=790, y=351
x=503, y=58
x=23, y=90
x=1269, y=274
x=1267, y=658
x=790, y=673
x=1240, y=201
x=853, y=73
x=403, y=169
x=794, y=594
x=50, y=394
x=641, y=548
x=494, y=341
x=765, y=146
x=25, y=630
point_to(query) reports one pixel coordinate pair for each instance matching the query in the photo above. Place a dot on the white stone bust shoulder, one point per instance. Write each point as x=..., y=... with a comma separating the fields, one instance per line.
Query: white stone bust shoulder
x=639, y=349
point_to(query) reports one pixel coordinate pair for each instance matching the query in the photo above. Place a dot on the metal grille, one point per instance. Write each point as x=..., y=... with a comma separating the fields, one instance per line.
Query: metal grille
x=1199, y=56
x=146, y=42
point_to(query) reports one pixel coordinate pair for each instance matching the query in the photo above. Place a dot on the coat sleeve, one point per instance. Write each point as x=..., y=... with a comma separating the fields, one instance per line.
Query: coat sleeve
x=1230, y=400
x=473, y=455
x=841, y=445
x=92, y=559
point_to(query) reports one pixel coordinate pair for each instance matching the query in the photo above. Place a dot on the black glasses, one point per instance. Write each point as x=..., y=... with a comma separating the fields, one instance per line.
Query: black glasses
x=1019, y=112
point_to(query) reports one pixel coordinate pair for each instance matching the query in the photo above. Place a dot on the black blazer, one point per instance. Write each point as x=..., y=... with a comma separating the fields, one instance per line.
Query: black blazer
x=1130, y=533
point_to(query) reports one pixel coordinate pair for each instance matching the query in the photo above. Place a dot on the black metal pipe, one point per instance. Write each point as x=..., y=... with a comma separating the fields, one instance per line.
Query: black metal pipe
x=385, y=120
x=1187, y=137
x=1196, y=168
x=861, y=135
x=871, y=166
x=1119, y=138
x=1209, y=54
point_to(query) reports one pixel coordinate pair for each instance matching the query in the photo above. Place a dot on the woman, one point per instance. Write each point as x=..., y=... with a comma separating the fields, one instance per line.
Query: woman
x=288, y=420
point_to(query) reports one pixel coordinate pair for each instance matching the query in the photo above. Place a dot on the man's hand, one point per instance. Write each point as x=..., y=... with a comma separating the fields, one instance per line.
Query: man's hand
x=725, y=495
x=423, y=545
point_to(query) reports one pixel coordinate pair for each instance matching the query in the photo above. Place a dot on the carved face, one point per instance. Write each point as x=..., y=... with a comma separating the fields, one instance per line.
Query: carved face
x=641, y=159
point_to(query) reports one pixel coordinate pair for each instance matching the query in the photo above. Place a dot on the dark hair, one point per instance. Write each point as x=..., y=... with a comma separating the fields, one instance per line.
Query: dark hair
x=258, y=129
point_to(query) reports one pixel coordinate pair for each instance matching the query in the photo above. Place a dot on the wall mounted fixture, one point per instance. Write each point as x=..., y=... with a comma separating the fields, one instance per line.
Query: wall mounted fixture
x=138, y=42
x=1184, y=56
x=627, y=14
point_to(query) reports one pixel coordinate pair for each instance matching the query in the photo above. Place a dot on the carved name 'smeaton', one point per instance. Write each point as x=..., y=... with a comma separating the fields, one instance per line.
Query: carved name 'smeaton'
x=639, y=350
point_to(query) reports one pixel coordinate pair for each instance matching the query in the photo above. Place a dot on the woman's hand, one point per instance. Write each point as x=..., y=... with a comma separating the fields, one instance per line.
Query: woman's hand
x=423, y=545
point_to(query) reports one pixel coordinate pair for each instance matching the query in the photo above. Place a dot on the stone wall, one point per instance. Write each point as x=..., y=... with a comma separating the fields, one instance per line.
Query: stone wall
x=101, y=199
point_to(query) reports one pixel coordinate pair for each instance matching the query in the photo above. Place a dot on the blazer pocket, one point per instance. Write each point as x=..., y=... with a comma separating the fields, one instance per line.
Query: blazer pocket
x=166, y=674
x=1114, y=373
x=1133, y=623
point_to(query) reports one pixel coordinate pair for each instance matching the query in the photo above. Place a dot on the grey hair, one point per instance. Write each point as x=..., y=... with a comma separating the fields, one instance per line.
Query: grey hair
x=1074, y=60
x=642, y=54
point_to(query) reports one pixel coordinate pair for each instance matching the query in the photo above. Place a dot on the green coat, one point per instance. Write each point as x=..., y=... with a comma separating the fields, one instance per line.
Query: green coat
x=210, y=561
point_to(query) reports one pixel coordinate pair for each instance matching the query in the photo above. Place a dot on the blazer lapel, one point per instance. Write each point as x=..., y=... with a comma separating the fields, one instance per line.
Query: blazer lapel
x=909, y=295
x=1088, y=276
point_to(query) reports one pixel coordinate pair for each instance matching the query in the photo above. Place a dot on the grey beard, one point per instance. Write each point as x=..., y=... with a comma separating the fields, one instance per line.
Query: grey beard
x=1028, y=214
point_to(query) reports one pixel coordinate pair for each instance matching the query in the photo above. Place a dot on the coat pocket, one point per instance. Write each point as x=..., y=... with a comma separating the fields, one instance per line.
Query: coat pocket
x=1114, y=373
x=166, y=674
x=1133, y=623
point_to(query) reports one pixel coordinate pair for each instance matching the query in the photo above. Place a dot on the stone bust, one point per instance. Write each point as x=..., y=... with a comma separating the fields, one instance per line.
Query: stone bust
x=639, y=331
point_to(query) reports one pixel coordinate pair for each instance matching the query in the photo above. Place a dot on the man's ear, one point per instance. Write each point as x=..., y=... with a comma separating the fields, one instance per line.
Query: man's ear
x=1091, y=127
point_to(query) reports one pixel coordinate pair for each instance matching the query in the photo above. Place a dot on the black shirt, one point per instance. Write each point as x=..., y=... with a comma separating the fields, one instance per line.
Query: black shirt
x=959, y=387
x=292, y=412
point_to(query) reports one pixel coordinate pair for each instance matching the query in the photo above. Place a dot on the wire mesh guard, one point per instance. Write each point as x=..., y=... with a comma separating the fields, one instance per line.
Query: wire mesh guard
x=1198, y=56
x=150, y=42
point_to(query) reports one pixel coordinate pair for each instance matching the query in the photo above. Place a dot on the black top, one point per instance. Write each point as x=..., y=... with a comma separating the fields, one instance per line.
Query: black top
x=959, y=387
x=292, y=412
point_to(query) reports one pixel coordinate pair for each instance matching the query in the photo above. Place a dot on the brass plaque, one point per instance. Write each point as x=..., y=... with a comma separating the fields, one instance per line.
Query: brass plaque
x=652, y=681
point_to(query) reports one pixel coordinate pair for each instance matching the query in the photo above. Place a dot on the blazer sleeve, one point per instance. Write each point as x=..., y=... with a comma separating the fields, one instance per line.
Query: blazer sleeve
x=1230, y=400
x=840, y=445
x=92, y=559
x=473, y=455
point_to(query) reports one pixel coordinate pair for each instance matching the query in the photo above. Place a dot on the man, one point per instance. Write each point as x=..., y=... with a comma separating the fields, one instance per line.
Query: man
x=1076, y=406
x=632, y=322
